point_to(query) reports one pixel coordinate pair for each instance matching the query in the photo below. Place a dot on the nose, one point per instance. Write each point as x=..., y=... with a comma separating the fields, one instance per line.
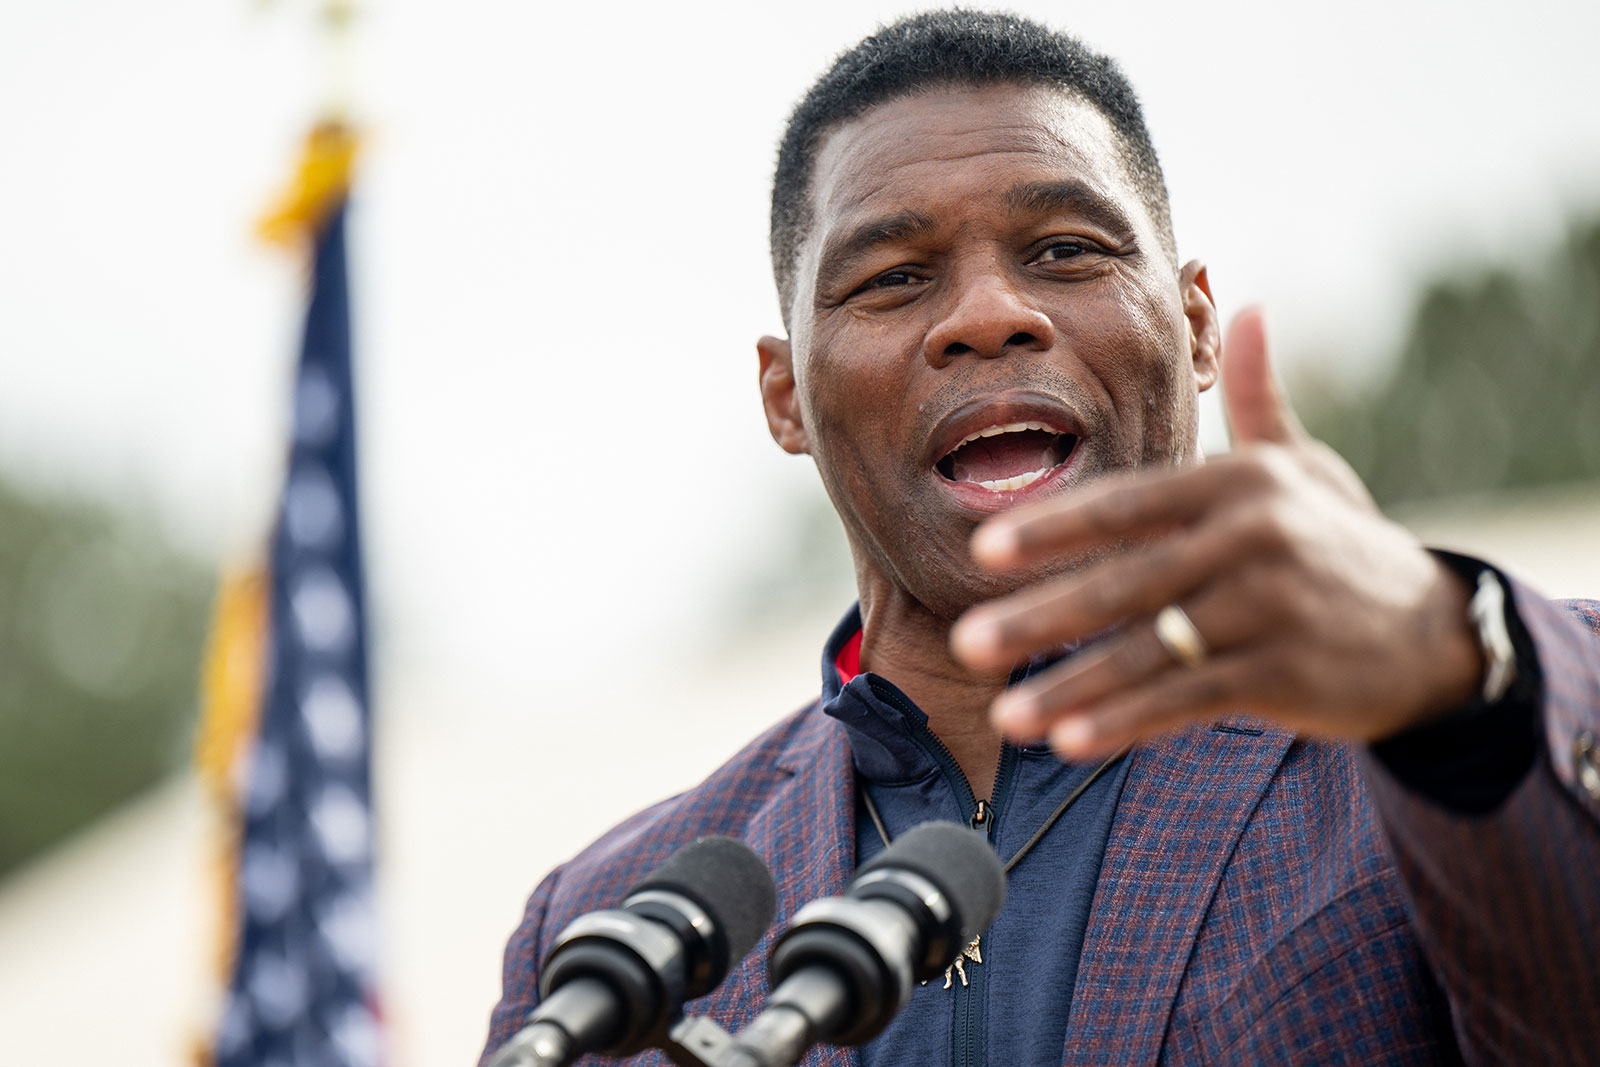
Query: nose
x=989, y=318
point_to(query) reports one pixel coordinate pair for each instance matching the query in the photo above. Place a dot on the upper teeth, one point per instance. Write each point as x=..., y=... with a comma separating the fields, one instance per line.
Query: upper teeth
x=1010, y=427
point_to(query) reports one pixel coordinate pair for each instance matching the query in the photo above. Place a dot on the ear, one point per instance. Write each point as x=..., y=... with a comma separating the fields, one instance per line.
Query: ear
x=1205, y=333
x=778, y=395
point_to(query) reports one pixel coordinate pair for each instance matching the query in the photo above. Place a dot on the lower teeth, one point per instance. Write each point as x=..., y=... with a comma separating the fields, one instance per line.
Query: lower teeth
x=1001, y=485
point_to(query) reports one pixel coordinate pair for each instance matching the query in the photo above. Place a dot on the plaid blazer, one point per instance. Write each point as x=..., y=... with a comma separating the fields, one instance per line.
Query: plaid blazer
x=1262, y=899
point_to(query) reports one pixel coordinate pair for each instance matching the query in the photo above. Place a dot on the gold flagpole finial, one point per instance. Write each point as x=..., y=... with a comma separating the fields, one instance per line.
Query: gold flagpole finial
x=320, y=184
x=321, y=179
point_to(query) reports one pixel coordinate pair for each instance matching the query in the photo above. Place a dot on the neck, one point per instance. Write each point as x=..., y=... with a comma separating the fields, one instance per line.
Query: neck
x=910, y=646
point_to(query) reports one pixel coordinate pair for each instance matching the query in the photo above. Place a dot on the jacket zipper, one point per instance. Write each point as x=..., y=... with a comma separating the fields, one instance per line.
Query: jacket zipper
x=983, y=816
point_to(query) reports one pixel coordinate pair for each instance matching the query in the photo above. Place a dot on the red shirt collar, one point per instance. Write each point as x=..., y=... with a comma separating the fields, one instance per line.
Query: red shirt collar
x=848, y=661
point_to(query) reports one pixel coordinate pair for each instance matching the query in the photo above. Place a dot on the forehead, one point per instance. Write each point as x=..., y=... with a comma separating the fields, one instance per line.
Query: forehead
x=915, y=152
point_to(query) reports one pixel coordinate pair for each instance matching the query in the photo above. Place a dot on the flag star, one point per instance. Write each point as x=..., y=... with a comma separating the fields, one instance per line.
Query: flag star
x=332, y=717
x=269, y=775
x=271, y=880
x=355, y=1034
x=342, y=825
x=237, y=1026
x=278, y=990
x=316, y=407
x=323, y=613
x=312, y=514
x=347, y=931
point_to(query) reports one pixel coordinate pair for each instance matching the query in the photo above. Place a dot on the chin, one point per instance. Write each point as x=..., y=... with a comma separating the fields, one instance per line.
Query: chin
x=951, y=595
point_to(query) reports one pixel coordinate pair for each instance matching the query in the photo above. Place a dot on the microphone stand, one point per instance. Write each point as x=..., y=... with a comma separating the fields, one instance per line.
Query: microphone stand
x=806, y=1004
x=696, y=1041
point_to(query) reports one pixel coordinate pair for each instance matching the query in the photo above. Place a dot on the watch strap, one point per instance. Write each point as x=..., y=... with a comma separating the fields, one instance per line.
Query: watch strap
x=1470, y=759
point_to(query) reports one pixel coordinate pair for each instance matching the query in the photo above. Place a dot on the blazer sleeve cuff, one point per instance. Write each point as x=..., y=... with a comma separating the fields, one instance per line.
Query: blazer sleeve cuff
x=1469, y=761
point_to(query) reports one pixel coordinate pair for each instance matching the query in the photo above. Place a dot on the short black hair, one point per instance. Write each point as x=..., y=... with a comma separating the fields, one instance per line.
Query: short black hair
x=947, y=49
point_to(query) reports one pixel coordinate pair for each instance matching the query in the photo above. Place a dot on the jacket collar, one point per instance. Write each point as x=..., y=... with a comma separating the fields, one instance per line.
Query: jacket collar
x=878, y=719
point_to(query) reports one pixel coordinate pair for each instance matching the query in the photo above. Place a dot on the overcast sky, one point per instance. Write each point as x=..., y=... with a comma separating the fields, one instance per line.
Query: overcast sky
x=560, y=262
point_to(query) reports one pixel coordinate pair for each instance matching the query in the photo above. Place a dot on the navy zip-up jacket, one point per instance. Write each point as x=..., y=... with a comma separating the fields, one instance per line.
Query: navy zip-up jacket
x=1012, y=1007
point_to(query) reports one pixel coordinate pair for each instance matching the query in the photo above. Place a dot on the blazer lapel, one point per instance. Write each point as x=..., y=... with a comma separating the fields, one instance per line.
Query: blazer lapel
x=806, y=833
x=1183, y=806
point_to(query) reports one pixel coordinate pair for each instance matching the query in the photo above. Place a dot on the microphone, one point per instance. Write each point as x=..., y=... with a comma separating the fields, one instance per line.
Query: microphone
x=614, y=980
x=844, y=968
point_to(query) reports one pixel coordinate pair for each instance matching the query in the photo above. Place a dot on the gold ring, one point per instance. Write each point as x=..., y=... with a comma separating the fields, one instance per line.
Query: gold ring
x=1177, y=634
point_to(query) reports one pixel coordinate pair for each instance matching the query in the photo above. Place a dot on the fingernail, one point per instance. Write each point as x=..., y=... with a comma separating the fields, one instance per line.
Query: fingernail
x=1014, y=713
x=1072, y=735
x=994, y=542
x=975, y=634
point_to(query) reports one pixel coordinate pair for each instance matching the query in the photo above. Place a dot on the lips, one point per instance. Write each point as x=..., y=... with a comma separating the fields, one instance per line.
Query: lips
x=1007, y=457
x=991, y=450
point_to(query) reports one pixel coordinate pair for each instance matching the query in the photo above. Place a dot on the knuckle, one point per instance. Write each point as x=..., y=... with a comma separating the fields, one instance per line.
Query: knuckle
x=1278, y=466
x=1268, y=469
x=1275, y=527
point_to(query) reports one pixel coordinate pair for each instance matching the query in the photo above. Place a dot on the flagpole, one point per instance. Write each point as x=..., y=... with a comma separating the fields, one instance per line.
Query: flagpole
x=338, y=18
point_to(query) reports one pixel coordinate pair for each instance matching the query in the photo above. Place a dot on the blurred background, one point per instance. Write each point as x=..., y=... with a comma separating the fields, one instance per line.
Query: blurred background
x=591, y=574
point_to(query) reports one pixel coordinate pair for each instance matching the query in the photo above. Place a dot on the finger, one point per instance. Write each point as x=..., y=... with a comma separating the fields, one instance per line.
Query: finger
x=1216, y=688
x=1121, y=663
x=1024, y=715
x=1136, y=582
x=1112, y=510
x=1255, y=402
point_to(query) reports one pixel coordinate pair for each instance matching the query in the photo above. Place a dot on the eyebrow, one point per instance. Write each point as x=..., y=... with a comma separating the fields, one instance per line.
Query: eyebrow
x=1069, y=197
x=1033, y=198
x=841, y=254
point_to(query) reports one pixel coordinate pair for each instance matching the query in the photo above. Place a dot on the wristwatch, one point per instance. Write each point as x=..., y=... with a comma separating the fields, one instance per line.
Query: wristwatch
x=1487, y=612
x=1470, y=760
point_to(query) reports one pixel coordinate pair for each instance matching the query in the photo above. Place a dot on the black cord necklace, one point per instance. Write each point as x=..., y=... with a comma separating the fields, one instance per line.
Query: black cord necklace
x=974, y=951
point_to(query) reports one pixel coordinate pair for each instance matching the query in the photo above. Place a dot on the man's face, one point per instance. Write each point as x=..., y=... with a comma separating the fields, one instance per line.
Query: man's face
x=983, y=315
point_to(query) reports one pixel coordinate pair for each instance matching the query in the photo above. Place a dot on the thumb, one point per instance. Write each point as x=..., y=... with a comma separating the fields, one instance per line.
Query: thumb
x=1257, y=409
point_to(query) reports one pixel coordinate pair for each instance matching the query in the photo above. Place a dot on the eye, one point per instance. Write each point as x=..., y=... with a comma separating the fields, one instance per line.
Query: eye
x=892, y=285
x=1063, y=250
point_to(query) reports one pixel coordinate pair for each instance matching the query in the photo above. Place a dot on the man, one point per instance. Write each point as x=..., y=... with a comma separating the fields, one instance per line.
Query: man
x=1358, y=822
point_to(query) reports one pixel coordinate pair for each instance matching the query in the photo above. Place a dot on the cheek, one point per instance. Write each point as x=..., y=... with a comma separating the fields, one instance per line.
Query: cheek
x=1142, y=359
x=855, y=383
x=846, y=441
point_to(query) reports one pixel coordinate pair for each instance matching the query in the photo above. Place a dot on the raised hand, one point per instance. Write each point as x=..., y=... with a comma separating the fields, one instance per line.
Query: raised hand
x=1305, y=605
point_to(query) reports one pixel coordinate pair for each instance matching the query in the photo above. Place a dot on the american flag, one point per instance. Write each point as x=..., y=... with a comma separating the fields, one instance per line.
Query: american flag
x=303, y=989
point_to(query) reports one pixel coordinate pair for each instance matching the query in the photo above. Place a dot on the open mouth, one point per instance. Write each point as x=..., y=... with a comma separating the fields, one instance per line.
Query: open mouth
x=1007, y=458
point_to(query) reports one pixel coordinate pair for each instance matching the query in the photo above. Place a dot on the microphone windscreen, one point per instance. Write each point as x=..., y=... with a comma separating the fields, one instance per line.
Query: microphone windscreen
x=730, y=882
x=959, y=862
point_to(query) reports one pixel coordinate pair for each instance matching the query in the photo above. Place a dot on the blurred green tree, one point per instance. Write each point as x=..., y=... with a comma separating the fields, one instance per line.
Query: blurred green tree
x=1497, y=383
x=100, y=645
